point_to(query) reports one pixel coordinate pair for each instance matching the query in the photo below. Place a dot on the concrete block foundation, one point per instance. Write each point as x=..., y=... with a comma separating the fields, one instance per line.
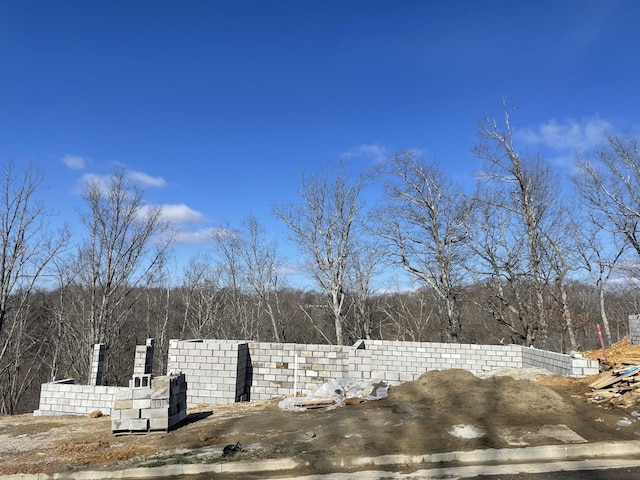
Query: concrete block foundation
x=224, y=371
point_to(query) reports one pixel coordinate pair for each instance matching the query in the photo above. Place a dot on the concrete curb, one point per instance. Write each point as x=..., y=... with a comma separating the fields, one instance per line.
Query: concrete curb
x=548, y=453
x=503, y=455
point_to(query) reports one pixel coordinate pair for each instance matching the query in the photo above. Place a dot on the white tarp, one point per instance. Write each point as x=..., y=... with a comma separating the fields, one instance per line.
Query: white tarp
x=340, y=390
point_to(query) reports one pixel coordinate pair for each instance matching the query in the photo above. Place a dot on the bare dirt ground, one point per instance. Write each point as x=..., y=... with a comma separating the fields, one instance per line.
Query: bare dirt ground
x=441, y=411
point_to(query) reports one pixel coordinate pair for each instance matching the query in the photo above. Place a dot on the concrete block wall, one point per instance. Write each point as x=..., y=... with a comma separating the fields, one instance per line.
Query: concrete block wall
x=211, y=368
x=273, y=367
x=634, y=329
x=399, y=361
x=150, y=404
x=560, y=363
x=264, y=370
x=64, y=397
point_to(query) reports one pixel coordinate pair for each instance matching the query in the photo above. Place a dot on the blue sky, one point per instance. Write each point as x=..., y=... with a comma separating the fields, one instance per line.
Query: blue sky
x=218, y=106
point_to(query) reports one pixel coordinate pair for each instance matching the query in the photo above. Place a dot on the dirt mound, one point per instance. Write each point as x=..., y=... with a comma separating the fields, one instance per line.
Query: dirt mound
x=460, y=390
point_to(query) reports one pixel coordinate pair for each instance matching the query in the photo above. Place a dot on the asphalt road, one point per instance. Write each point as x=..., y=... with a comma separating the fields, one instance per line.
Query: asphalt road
x=605, y=474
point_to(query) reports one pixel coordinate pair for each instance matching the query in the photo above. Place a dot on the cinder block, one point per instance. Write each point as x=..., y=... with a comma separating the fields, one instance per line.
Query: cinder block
x=122, y=404
x=141, y=403
x=131, y=424
x=154, y=413
x=159, y=423
x=160, y=394
x=141, y=393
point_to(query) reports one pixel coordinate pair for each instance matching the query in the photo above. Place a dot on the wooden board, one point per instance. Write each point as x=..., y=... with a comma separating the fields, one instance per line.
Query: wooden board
x=609, y=379
x=316, y=403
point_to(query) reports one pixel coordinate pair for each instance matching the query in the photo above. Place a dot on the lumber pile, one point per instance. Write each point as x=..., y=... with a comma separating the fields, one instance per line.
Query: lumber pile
x=620, y=353
x=619, y=387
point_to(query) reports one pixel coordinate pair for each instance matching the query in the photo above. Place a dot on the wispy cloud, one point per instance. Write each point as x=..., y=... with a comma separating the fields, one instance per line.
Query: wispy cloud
x=202, y=236
x=74, y=162
x=571, y=135
x=146, y=180
x=374, y=152
x=102, y=181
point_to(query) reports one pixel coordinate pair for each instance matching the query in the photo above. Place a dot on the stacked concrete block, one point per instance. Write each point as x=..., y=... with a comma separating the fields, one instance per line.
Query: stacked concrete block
x=150, y=404
x=634, y=329
x=217, y=370
x=143, y=360
x=97, y=364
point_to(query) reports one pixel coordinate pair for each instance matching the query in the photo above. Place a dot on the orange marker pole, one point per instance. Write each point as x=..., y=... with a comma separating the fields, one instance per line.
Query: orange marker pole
x=604, y=350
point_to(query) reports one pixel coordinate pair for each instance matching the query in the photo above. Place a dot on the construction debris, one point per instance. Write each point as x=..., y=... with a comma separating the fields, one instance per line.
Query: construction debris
x=617, y=387
x=621, y=353
x=337, y=392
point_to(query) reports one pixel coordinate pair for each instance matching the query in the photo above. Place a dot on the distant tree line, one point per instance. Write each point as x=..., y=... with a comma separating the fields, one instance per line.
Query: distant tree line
x=527, y=257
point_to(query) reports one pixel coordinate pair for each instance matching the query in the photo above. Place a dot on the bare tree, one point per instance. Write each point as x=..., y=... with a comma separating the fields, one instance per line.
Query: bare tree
x=202, y=300
x=424, y=222
x=560, y=254
x=527, y=190
x=365, y=267
x=409, y=315
x=598, y=252
x=499, y=267
x=610, y=184
x=239, y=314
x=126, y=244
x=27, y=248
x=262, y=263
x=324, y=227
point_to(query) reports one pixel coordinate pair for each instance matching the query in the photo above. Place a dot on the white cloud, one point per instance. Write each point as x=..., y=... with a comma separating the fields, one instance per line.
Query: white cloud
x=101, y=181
x=375, y=152
x=571, y=135
x=74, y=162
x=202, y=236
x=180, y=213
x=147, y=180
x=198, y=237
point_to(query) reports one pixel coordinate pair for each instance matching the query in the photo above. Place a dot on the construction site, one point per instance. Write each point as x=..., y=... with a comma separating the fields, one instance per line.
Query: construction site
x=442, y=405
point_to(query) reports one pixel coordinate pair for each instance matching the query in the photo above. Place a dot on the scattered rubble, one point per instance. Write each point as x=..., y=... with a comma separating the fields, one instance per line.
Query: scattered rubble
x=619, y=385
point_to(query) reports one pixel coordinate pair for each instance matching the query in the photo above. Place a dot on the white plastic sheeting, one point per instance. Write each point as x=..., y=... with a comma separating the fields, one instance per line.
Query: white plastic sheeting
x=340, y=390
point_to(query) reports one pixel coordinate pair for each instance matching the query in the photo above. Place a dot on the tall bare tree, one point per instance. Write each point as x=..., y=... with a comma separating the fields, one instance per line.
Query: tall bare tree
x=126, y=243
x=239, y=313
x=527, y=190
x=560, y=254
x=27, y=249
x=424, y=222
x=202, y=299
x=498, y=266
x=324, y=225
x=262, y=264
x=599, y=253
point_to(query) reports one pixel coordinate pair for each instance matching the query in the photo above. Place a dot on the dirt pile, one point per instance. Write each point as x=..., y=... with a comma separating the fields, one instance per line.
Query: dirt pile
x=460, y=390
